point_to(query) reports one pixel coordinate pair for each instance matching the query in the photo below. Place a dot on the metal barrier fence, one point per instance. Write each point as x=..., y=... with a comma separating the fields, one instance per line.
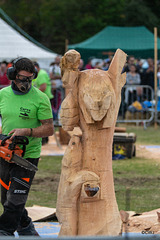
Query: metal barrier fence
x=137, y=105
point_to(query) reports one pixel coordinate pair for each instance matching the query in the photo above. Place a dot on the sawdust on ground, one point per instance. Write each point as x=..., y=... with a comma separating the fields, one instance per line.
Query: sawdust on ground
x=53, y=147
x=143, y=151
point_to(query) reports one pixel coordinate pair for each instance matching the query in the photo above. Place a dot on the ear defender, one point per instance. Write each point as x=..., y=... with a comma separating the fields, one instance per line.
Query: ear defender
x=12, y=72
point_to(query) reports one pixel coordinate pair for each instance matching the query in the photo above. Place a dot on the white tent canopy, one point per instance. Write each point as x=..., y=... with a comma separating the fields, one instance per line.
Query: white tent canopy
x=13, y=44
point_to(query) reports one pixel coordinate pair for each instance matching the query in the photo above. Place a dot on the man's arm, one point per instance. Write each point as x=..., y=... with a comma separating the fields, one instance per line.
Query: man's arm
x=45, y=130
x=43, y=87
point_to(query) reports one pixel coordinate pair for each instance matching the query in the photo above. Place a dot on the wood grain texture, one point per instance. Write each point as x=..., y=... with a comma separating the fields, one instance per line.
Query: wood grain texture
x=86, y=203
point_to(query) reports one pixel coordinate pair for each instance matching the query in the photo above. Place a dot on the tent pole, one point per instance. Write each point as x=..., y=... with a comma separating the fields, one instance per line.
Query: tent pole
x=155, y=74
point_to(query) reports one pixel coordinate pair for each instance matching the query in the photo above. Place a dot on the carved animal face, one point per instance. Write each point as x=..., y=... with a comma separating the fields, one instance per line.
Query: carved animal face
x=98, y=101
x=97, y=97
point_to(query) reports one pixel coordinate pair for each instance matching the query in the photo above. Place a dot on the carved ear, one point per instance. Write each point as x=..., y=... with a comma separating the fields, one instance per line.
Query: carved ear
x=117, y=63
x=116, y=68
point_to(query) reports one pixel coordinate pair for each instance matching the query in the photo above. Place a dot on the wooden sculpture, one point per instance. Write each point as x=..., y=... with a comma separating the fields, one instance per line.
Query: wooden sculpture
x=86, y=203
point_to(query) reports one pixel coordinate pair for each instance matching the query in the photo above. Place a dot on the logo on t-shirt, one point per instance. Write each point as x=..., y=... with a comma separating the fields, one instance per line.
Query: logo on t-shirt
x=24, y=113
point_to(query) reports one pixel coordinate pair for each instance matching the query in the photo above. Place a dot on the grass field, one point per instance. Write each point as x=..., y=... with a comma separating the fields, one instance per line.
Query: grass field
x=137, y=180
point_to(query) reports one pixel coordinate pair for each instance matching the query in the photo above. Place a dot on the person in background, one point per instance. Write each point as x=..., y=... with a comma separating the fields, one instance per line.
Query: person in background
x=51, y=67
x=106, y=64
x=148, y=78
x=132, y=78
x=43, y=83
x=148, y=74
x=57, y=88
x=89, y=64
x=4, y=81
x=25, y=111
x=130, y=61
x=139, y=64
x=81, y=65
x=98, y=65
x=10, y=64
x=55, y=73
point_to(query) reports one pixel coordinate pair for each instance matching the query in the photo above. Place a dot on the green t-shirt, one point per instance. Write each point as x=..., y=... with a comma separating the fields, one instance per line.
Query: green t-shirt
x=24, y=111
x=41, y=79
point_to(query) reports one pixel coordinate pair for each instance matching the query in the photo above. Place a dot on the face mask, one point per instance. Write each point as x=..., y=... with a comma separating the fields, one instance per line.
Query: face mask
x=23, y=83
x=23, y=86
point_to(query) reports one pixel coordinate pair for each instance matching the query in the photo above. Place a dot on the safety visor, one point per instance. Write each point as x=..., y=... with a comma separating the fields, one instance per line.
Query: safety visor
x=25, y=78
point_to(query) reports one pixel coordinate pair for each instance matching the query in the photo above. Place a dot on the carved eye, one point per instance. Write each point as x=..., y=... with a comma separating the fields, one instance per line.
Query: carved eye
x=107, y=102
x=91, y=191
x=88, y=101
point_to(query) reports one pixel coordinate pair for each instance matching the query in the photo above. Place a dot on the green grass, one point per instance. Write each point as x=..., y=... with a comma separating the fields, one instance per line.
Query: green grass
x=139, y=180
x=44, y=188
x=137, y=176
x=149, y=136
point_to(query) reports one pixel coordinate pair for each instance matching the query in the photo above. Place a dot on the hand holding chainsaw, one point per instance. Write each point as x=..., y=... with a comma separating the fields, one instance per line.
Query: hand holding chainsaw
x=11, y=152
x=19, y=132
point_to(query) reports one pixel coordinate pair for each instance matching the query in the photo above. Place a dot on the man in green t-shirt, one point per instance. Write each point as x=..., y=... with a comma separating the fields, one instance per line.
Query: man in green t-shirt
x=25, y=111
x=42, y=82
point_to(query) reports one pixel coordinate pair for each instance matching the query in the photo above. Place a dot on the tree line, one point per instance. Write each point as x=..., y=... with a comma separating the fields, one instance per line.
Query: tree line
x=51, y=22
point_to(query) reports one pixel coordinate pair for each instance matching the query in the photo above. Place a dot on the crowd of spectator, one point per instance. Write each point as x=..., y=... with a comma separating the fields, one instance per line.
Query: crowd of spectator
x=138, y=72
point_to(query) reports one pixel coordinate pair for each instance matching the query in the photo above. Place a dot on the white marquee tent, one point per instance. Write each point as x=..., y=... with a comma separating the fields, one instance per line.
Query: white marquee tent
x=13, y=44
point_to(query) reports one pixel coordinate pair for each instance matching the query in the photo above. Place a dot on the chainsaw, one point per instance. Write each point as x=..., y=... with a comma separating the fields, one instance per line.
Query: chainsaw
x=12, y=153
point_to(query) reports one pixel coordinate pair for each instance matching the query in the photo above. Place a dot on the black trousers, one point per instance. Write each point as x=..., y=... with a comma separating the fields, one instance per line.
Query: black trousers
x=15, y=185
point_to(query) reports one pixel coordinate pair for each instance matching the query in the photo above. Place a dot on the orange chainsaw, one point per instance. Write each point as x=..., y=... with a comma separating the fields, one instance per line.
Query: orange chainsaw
x=12, y=153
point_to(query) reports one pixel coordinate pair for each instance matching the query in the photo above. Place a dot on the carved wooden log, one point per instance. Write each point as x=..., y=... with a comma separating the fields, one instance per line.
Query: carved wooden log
x=86, y=203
